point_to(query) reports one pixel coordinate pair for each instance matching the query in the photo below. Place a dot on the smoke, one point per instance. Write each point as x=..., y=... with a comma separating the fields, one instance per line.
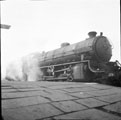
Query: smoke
x=25, y=69
x=30, y=67
x=14, y=71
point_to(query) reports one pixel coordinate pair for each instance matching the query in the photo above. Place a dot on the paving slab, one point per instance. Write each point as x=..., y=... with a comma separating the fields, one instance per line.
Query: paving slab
x=51, y=100
x=116, y=107
x=20, y=94
x=80, y=89
x=99, y=86
x=105, y=92
x=43, y=111
x=69, y=106
x=110, y=98
x=8, y=90
x=17, y=114
x=57, y=96
x=31, y=112
x=7, y=87
x=91, y=102
x=14, y=103
x=81, y=95
x=31, y=89
x=91, y=114
x=7, y=117
x=67, y=86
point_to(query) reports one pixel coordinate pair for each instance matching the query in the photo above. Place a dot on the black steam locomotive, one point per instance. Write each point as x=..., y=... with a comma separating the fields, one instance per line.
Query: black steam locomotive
x=88, y=60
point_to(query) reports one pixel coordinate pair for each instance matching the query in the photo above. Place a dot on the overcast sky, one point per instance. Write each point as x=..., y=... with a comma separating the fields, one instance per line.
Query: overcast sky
x=42, y=25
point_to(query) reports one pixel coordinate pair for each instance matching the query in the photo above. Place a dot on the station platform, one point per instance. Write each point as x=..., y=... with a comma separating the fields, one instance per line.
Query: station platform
x=59, y=101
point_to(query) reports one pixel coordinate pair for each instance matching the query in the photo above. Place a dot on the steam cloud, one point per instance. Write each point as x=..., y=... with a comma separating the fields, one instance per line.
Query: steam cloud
x=25, y=69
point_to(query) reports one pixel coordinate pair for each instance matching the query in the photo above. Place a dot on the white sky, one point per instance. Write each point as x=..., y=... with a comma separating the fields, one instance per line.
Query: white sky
x=44, y=24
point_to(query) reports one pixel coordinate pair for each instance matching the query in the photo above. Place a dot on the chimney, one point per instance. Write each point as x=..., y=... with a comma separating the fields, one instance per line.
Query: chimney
x=92, y=34
x=101, y=33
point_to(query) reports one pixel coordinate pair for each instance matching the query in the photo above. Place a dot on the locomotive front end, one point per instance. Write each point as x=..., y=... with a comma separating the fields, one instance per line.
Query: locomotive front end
x=102, y=48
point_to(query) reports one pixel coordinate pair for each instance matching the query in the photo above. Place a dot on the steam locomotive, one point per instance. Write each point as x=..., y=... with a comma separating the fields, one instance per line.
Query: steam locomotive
x=88, y=60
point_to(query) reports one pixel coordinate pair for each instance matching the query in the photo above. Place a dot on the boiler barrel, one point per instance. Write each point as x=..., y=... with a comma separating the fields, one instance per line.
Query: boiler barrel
x=98, y=48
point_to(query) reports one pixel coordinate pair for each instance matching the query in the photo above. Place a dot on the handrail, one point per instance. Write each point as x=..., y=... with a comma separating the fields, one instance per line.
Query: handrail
x=91, y=69
x=64, y=64
x=88, y=61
